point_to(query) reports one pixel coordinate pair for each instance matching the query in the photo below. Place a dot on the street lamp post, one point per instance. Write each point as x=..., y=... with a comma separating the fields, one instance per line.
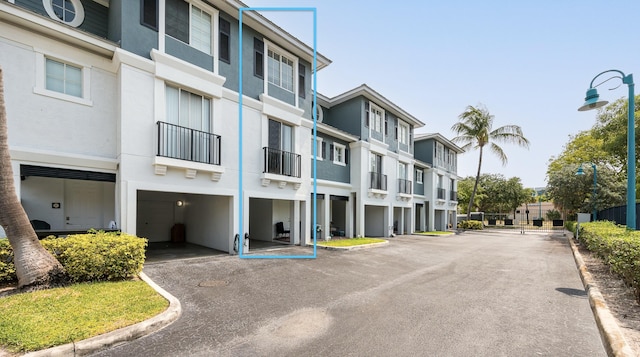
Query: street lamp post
x=591, y=102
x=595, y=185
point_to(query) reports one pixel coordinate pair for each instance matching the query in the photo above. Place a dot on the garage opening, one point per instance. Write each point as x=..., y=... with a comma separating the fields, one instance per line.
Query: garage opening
x=270, y=222
x=376, y=223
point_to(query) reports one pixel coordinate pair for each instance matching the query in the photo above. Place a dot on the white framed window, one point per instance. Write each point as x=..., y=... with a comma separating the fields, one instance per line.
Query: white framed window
x=69, y=12
x=280, y=70
x=62, y=79
x=339, y=154
x=402, y=170
x=419, y=176
x=403, y=133
x=319, y=148
x=187, y=109
x=190, y=24
x=440, y=154
x=376, y=115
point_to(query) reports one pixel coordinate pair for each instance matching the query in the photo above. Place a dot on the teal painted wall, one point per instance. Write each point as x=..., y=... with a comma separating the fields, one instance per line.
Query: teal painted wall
x=349, y=117
x=418, y=188
x=126, y=27
x=326, y=169
x=423, y=151
x=95, y=15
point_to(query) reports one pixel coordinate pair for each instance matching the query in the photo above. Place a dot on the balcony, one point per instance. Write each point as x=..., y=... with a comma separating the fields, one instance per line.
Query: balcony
x=377, y=181
x=281, y=162
x=187, y=149
x=404, y=186
x=178, y=142
x=453, y=196
x=441, y=193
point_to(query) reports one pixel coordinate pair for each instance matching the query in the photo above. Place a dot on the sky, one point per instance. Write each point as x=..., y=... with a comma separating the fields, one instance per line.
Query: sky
x=529, y=63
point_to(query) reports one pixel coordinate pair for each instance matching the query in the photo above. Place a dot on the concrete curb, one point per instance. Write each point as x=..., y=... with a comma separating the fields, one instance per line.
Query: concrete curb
x=356, y=247
x=129, y=333
x=610, y=333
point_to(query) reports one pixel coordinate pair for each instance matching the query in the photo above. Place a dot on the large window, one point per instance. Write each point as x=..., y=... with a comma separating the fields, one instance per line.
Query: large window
x=403, y=133
x=280, y=70
x=402, y=170
x=375, y=116
x=419, y=176
x=188, y=109
x=63, y=78
x=189, y=24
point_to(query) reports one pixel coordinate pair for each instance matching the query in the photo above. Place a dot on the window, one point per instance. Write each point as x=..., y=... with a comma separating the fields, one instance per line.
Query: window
x=63, y=78
x=69, y=12
x=225, y=34
x=403, y=133
x=258, y=58
x=320, y=145
x=280, y=136
x=374, y=117
x=301, y=81
x=189, y=24
x=339, y=154
x=280, y=70
x=188, y=110
x=419, y=176
x=149, y=13
x=439, y=154
x=402, y=170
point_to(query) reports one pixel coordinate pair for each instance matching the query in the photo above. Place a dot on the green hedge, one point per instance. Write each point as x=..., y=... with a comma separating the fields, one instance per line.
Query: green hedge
x=93, y=256
x=618, y=247
x=471, y=224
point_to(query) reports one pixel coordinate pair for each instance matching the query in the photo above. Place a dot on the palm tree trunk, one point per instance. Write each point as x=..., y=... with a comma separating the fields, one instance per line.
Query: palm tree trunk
x=475, y=186
x=35, y=267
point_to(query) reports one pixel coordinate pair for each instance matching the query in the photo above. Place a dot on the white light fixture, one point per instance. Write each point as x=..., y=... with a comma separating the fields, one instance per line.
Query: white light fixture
x=179, y=203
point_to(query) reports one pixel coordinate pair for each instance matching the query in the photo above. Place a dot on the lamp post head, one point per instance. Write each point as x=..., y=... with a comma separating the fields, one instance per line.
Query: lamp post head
x=580, y=171
x=591, y=101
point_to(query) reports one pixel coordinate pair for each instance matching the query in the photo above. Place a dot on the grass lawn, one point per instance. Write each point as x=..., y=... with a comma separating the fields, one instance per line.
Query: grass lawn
x=435, y=233
x=350, y=242
x=47, y=318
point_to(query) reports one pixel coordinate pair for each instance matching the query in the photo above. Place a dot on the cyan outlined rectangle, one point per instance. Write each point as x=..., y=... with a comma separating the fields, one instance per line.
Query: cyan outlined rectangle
x=314, y=111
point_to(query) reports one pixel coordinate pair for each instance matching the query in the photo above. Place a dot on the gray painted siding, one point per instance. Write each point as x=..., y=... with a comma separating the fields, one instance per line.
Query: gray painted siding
x=127, y=28
x=326, y=169
x=230, y=70
x=187, y=53
x=349, y=117
x=281, y=93
x=390, y=139
x=95, y=15
x=424, y=151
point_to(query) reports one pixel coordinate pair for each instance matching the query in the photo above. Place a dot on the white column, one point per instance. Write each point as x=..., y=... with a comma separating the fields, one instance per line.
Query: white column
x=388, y=220
x=349, y=218
x=296, y=222
x=360, y=219
x=431, y=220
x=326, y=229
x=401, y=222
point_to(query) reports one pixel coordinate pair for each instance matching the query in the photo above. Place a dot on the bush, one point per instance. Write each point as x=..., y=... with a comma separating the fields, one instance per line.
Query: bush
x=571, y=226
x=553, y=214
x=7, y=269
x=95, y=256
x=618, y=247
x=471, y=224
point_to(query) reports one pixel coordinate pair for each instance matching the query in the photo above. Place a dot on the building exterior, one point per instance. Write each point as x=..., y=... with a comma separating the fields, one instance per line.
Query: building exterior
x=125, y=114
x=437, y=163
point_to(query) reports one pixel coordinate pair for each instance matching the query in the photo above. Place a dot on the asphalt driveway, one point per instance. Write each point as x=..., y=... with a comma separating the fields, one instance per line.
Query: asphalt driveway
x=473, y=294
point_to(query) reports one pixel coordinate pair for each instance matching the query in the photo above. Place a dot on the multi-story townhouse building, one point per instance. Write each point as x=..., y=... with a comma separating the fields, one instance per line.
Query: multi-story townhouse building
x=381, y=161
x=126, y=112
x=436, y=167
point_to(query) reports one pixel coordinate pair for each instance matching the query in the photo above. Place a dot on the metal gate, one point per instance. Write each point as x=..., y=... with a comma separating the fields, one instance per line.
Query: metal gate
x=528, y=223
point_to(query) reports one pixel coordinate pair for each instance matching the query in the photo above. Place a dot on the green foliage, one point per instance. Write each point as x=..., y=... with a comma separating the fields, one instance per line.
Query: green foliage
x=90, y=257
x=571, y=226
x=7, y=269
x=470, y=224
x=553, y=214
x=616, y=246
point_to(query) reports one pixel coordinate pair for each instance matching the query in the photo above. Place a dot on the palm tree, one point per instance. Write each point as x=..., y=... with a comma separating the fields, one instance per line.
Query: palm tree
x=475, y=131
x=35, y=267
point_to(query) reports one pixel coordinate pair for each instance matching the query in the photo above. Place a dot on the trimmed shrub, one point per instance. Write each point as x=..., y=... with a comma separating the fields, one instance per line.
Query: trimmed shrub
x=7, y=269
x=95, y=256
x=618, y=247
x=471, y=224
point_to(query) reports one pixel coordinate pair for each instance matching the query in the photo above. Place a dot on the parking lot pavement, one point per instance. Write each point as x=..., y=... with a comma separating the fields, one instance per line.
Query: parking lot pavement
x=488, y=294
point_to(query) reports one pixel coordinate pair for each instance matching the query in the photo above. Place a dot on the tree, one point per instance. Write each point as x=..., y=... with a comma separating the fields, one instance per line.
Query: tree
x=465, y=187
x=475, y=131
x=35, y=267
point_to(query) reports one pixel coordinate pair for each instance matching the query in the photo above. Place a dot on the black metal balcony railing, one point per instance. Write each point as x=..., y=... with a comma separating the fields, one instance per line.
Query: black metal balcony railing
x=377, y=181
x=182, y=143
x=441, y=193
x=404, y=186
x=281, y=162
x=453, y=195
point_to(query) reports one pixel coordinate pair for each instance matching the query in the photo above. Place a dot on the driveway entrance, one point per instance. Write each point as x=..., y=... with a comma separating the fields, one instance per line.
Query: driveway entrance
x=471, y=294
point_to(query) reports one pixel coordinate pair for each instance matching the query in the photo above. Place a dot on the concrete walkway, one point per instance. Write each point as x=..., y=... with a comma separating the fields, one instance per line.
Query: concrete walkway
x=473, y=294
